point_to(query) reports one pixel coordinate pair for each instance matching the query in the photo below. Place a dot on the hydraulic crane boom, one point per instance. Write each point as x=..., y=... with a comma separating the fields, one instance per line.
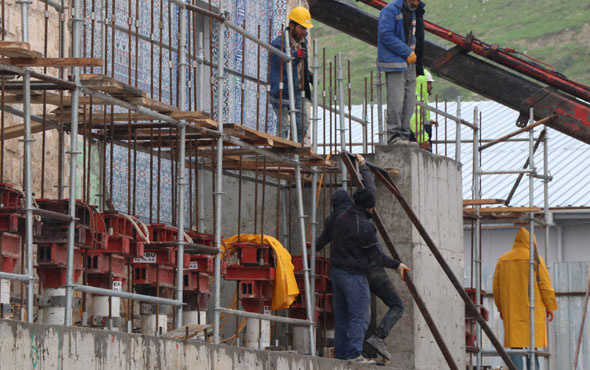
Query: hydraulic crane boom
x=572, y=112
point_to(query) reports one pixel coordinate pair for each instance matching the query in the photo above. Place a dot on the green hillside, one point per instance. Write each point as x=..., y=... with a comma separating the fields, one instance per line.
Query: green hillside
x=555, y=32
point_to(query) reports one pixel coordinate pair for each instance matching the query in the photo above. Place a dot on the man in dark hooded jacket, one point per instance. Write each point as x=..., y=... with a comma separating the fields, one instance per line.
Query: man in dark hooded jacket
x=378, y=280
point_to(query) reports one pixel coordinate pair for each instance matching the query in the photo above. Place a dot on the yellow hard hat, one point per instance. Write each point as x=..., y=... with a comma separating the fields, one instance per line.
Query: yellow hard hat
x=301, y=16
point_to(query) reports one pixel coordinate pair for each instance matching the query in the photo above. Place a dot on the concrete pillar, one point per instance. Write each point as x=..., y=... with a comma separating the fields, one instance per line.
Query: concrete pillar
x=431, y=184
x=53, y=315
x=257, y=334
x=301, y=339
x=148, y=324
x=4, y=291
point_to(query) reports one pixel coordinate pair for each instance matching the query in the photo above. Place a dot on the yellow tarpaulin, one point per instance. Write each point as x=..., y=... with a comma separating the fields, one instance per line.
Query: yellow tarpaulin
x=285, y=287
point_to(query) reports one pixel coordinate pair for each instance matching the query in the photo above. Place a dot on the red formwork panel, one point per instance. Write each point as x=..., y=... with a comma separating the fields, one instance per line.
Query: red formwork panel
x=202, y=238
x=238, y=272
x=253, y=254
x=162, y=233
x=8, y=222
x=255, y=305
x=322, y=266
x=136, y=249
x=52, y=262
x=153, y=274
x=10, y=197
x=118, y=225
x=321, y=283
x=196, y=281
x=104, y=264
x=165, y=255
x=10, y=246
x=118, y=244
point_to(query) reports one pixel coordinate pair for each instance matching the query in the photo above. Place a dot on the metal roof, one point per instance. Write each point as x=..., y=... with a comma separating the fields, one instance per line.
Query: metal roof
x=568, y=158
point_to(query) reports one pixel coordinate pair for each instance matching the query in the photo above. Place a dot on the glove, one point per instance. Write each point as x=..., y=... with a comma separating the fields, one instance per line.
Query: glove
x=301, y=53
x=360, y=159
x=550, y=315
x=425, y=145
x=411, y=58
x=401, y=270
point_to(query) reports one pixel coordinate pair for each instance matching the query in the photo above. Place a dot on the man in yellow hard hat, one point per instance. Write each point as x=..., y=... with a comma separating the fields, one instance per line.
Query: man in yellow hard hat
x=299, y=23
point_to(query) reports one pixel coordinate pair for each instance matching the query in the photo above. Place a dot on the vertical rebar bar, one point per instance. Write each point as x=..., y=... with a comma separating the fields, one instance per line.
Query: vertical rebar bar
x=219, y=174
x=458, y=131
x=301, y=216
x=76, y=44
x=340, y=81
x=532, y=261
x=546, y=180
x=314, y=174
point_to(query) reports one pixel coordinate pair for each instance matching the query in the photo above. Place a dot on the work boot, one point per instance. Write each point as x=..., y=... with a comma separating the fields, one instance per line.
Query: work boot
x=361, y=360
x=379, y=345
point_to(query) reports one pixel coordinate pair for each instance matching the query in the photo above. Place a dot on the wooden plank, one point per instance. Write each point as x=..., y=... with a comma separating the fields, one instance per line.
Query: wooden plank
x=478, y=202
x=153, y=104
x=258, y=137
x=188, y=331
x=198, y=118
x=55, y=62
x=110, y=85
x=18, y=49
x=15, y=131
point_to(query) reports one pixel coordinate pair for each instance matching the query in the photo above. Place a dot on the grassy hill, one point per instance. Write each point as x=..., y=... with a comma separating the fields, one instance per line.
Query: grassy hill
x=555, y=32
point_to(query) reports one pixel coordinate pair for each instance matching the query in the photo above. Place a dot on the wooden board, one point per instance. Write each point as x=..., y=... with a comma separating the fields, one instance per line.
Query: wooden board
x=110, y=85
x=479, y=202
x=198, y=118
x=18, y=49
x=19, y=130
x=188, y=331
x=257, y=137
x=55, y=62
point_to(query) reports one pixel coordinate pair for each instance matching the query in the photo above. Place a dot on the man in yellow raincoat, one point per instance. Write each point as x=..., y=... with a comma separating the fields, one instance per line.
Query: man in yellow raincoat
x=511, y=287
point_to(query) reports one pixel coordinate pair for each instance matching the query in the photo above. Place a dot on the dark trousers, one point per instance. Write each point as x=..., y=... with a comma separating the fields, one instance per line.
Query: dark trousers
x=351, y=305
x=381, y=286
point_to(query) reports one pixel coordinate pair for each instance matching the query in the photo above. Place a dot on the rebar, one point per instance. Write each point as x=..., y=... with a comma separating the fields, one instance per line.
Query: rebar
x=532, y=262
x=340, y=81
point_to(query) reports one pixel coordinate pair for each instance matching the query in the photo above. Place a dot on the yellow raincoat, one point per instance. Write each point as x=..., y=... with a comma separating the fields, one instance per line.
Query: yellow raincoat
x=511, y=286
x=285, y=286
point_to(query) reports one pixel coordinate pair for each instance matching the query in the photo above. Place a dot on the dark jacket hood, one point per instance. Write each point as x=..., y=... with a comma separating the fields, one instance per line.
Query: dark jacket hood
x=341, y=200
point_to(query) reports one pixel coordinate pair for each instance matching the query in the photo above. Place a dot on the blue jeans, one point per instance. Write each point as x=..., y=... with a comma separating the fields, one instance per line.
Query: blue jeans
x=518, y=358
x=351, y=304
x=285, y=125
x=381, y=286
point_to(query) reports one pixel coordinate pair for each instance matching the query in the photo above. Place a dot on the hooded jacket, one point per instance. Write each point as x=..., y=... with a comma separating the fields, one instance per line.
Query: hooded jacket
x=395, y=22
x=421, y=115
x=511, y=282
x=341, y=200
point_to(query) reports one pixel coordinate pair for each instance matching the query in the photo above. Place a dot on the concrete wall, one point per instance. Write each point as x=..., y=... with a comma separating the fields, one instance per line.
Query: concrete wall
x=432, y=186
x=35, y=346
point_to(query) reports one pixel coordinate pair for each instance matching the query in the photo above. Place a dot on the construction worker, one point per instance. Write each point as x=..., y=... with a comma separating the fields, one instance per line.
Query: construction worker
x=421, y=124
x=379, y=282
x=354, y=246
x=400, y=45
x=511, y=295
x=299, y=23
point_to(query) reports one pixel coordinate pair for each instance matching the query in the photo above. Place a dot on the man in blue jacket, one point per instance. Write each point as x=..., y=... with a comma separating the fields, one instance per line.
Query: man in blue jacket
x=400, y=47
x=299, y=23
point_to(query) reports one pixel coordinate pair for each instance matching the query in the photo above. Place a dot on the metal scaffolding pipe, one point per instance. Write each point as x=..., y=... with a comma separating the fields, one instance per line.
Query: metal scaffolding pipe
x=342, y=129
x=382, y=126
x=532, y=280
x=219, y=182
x=298, y=187
x=126, y=295
x=476, y=231
x=181, y=183
x=18, y=277
x=28, y=185
x=445, y=114
x=259, y=316
x=76, y=46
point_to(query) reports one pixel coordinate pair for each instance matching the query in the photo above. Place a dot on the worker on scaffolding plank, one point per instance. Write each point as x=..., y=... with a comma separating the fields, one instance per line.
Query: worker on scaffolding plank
x=357, y=262
x=299, y=23
x=421, y=124
x=511, y=295
x=400, y=47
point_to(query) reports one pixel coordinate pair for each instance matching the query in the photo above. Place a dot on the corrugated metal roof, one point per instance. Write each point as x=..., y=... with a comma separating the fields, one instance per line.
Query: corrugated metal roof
x=569, y=159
